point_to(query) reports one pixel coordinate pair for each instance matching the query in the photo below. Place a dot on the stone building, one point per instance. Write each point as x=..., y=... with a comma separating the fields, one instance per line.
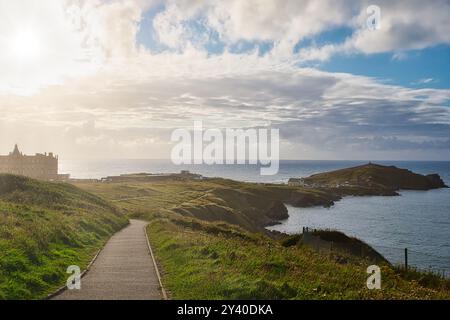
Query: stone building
x=39, y=166
x=296, y=182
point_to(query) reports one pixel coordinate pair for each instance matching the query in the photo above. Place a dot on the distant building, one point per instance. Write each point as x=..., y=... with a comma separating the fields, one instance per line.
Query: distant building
x=39, y=166
x=296, y=182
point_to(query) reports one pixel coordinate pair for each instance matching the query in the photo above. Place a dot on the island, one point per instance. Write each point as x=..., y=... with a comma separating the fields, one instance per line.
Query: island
x=373, y=176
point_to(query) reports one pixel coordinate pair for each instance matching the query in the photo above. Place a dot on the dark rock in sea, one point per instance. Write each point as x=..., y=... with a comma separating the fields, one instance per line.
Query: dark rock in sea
x=305, y=200
x=277, y=211
x=436, y=181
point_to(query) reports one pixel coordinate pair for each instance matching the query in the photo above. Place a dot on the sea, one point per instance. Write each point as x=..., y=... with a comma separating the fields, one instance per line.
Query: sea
x=416, y=220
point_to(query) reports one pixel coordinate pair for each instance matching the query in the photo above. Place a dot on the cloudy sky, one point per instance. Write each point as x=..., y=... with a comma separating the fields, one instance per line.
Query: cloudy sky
x=110, y=78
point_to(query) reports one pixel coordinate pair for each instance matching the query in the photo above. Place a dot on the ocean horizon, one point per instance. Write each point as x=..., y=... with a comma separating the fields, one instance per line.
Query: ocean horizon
x=100, y=168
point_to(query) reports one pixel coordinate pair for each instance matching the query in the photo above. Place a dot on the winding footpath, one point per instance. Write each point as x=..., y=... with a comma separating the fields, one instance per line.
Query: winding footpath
x=124, y=270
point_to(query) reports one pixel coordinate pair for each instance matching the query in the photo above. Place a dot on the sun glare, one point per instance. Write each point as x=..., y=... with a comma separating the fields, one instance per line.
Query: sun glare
x=25, y=45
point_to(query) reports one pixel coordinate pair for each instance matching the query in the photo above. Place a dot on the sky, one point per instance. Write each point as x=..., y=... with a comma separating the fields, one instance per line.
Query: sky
x=114, y=78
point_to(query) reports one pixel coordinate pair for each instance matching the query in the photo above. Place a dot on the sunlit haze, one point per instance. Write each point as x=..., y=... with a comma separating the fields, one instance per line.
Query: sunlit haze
x=25, y=45
x=113, y=79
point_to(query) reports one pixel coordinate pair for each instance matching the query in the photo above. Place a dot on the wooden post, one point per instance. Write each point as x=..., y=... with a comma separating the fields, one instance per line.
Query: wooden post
x=331, y=246
x=406, y=259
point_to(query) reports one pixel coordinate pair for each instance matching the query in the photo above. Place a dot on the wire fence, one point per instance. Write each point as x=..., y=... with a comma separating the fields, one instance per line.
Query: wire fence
x=421, y=261
x=401, y=257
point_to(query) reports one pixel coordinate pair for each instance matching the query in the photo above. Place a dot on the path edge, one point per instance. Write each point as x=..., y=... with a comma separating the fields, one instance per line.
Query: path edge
x=64, y=288
x=163, y=291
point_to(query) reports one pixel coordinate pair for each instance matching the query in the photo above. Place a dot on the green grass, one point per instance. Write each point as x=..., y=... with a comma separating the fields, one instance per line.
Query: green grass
x=424, y=278
x=199, y=262
x=44, y=228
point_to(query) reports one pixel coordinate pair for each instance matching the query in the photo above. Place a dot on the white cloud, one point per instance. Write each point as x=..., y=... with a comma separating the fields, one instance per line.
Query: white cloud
x=96, y=92
x=320, y=110
x=405, y=25
x=282, y=22
x=424, y=82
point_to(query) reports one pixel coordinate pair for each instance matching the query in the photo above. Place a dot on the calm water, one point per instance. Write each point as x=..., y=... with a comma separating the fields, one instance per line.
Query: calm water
x=419, y=221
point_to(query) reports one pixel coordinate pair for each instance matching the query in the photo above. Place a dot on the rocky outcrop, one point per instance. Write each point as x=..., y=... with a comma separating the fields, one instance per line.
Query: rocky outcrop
x=436, y=181
x=375, y=177
x=305, y=200
x=277, y=211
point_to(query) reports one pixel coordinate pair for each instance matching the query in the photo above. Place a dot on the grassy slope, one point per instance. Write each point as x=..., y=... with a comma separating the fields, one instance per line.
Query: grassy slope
x=204, y=260
x=44, y=228
x=244, y=204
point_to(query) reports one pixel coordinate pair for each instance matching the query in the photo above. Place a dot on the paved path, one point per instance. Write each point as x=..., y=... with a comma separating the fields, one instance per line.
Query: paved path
x=123, y=270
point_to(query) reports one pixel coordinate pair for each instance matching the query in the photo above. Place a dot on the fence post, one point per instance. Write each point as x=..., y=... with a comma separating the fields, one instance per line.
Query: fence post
x=406, y=259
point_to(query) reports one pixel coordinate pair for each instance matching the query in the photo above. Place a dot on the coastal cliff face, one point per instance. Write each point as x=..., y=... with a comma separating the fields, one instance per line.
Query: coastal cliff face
x=436, y=180
x=277, y=211
x=250, y=208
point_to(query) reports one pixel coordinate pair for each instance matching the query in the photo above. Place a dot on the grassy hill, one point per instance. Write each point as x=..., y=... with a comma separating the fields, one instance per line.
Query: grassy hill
x=248, y=205
x=44, y=228
x=376, y=176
